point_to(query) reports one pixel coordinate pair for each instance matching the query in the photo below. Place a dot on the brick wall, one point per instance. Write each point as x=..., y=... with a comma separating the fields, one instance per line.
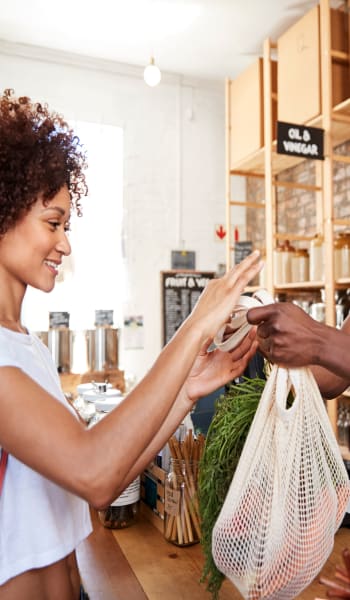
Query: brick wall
x=296, y=209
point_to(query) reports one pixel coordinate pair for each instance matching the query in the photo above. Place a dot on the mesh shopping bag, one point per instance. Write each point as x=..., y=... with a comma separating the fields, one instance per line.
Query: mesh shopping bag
x=288, y=495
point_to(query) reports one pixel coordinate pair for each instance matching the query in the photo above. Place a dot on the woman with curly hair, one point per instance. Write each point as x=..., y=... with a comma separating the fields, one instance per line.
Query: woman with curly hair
x=56, y=466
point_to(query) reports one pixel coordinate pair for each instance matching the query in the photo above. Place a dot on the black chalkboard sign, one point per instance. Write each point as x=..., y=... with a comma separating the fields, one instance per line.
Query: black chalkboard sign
x=180, y=292
x=300, y=140
x=242, y=249
x=183, y=259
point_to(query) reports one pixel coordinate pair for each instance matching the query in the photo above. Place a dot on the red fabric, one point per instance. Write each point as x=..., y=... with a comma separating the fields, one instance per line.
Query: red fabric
x=3, y=463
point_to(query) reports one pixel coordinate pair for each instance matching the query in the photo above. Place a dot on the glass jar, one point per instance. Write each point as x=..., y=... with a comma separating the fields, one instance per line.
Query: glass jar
x=123, y=511
x=262, y=273
x=283, y=263
x=182, y=523
x=318, y=311
x=342, y=255
x=317, y=258
x=300, y=265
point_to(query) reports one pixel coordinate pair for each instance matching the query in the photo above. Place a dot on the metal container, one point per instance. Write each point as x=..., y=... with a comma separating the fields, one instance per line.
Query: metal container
x=102, y=348
x=60, y=346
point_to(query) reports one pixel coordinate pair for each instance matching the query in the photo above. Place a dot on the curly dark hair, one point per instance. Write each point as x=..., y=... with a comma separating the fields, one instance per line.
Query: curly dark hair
x=39, y=154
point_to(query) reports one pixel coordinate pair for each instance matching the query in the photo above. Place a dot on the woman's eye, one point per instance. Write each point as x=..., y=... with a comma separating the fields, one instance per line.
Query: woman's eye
x=54, y=224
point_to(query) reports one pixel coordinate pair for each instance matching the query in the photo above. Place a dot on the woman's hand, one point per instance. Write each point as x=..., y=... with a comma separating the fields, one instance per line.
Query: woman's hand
x=220, y=296
x=212, y=370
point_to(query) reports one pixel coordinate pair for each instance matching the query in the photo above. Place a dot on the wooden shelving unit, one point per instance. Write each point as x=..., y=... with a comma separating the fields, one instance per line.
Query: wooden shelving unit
x=264, y=162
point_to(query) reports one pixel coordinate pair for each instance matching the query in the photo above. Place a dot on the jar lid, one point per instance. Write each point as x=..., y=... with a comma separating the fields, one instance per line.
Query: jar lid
x=317, y=240
x=88, y=387
x=344, y=238
x=287, y=247
x=97, y=396
x=301, y=252
x=105, y=405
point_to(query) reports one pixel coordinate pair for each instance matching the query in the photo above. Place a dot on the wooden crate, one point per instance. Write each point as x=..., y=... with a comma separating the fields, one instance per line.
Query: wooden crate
x=340, y=41
x=153, y=494
x=299, y=67
x=299, y=97
x=246, y=111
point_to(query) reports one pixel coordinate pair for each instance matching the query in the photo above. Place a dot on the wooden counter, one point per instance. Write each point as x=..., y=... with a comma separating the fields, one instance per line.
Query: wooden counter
x=139, y=564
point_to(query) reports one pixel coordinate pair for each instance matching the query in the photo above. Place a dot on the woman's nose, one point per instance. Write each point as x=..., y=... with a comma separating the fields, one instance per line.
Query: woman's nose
x=63, y=245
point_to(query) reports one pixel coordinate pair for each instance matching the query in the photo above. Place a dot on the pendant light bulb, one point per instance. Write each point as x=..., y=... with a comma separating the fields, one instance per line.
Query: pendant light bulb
x=152, y=74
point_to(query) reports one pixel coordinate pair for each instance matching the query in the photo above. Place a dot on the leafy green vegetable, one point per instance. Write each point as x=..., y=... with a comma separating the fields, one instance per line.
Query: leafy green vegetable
x=234, y=413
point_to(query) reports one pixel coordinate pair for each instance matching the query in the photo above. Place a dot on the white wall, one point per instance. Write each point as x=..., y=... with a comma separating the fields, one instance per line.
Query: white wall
x=174, y=174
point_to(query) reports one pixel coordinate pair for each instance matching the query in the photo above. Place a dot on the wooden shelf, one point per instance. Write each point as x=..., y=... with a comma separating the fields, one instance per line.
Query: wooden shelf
x=343, y=282
x=254, y=164
x=302, y=285
x=328, y=35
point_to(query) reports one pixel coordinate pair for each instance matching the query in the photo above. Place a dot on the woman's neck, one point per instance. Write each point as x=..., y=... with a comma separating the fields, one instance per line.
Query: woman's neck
x=13, y=324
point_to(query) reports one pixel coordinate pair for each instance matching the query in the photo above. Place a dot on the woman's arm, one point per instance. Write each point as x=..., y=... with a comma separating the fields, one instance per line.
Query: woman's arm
x=210, y=372
x=290, y=337
x=96, y=463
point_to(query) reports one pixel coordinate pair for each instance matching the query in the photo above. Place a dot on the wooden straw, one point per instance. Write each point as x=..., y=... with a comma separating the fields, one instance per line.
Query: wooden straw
x=189, y=450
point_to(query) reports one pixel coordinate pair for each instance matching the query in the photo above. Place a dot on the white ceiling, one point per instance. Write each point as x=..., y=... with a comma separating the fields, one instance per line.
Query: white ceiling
x=210, y=39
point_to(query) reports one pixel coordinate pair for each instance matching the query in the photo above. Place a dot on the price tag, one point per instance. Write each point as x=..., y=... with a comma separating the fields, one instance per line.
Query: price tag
x=172, y=501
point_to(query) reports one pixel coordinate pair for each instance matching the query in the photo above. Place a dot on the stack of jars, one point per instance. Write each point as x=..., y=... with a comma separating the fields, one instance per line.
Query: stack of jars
x=283, y=263
x=291, y=265
x=317, y=258
x=300, y=266
x=342, y=255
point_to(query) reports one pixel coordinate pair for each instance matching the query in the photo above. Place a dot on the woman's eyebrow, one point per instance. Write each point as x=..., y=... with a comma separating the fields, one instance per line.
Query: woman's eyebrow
x=57, y=208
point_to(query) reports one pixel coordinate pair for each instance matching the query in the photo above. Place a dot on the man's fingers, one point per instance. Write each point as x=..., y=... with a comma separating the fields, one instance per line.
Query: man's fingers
x=258, y=314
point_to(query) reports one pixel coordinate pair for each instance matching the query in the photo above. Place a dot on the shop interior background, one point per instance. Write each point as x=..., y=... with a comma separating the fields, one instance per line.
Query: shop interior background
x=167, y=179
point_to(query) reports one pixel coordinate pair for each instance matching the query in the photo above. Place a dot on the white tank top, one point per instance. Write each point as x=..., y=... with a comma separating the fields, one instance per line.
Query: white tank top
x=40, y=523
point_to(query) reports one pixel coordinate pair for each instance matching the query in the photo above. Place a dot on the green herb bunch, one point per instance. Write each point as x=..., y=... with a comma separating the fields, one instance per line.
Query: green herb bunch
x=234, y=413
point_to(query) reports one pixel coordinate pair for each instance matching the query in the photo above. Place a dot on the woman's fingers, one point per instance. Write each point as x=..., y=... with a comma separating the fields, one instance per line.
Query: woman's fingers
x=245, y=345
x=246, y=269
x=220, y=296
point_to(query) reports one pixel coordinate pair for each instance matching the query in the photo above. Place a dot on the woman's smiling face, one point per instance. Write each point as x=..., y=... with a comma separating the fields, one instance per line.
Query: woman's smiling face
x=32, y=251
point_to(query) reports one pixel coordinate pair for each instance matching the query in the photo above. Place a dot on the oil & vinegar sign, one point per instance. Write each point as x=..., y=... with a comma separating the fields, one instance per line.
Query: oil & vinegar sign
x=300, y=140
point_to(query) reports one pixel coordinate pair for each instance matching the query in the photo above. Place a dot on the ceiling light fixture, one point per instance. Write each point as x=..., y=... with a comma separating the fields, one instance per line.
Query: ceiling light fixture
x=152, y=74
